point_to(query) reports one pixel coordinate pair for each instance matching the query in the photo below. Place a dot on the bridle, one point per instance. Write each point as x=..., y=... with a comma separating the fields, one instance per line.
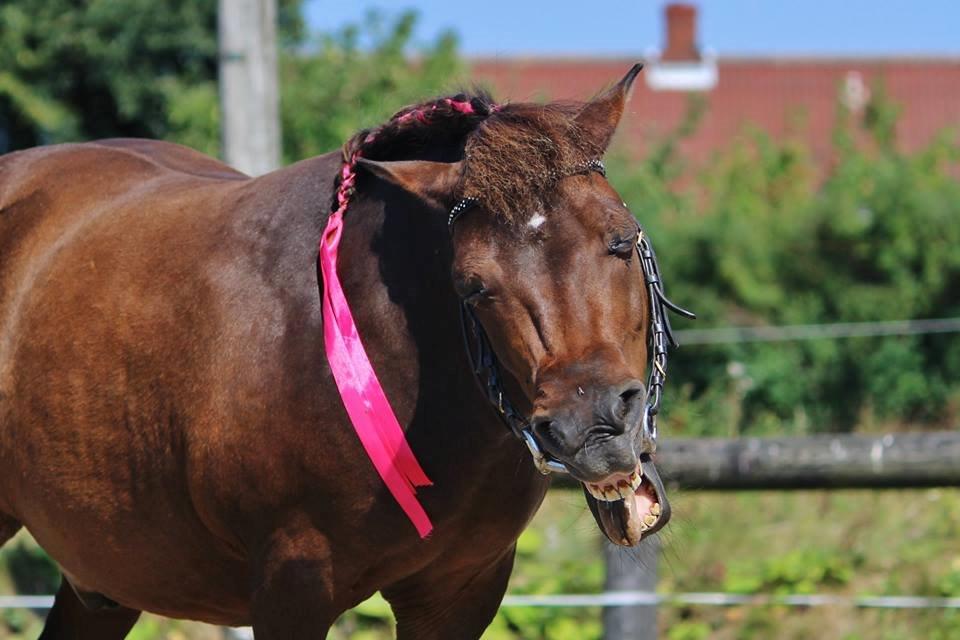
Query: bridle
x=367, y=406
x=486, y=367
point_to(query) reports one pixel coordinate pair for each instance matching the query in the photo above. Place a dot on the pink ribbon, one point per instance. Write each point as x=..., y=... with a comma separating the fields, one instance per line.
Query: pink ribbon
x=367, y=405
x=362, y=394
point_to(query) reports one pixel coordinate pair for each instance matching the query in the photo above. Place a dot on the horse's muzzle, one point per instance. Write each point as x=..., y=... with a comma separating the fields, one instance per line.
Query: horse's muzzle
x=597, y=433
x=611, y=458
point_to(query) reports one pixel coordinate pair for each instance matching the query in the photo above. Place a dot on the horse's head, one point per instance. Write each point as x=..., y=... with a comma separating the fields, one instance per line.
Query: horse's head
x=547, y=259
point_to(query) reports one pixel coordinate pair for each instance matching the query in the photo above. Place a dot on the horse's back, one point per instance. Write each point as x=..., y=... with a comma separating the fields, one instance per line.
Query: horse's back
x=174, y=157
x=52, y=186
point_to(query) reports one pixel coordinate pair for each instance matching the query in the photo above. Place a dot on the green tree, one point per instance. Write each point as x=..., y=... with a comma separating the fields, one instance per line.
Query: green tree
x=357, y=78
x=147, y=68
x=98, y=68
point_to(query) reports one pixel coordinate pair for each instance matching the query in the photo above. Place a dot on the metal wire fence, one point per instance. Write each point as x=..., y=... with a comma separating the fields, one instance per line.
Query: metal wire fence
x=728, y=335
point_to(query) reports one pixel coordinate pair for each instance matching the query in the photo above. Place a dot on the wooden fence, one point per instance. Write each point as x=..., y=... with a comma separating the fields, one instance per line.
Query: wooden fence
x=891, y=461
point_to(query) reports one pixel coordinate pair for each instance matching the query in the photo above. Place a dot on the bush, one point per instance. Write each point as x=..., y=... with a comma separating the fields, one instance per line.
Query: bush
x=759, y=238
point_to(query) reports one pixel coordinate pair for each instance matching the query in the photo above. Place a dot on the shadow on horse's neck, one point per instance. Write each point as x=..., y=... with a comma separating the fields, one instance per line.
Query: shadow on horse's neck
x=411, y=247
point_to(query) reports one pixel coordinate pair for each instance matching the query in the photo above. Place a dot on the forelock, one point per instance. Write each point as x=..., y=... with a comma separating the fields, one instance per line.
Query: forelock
x=515, y=156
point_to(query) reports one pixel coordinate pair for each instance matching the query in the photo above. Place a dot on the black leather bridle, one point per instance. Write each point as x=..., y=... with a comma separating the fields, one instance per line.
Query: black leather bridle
x=486, y=368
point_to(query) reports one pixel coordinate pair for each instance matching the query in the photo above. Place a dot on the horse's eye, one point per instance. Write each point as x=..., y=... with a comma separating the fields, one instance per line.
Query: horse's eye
x=622, y=247
x=471, y=290
x=476, y=296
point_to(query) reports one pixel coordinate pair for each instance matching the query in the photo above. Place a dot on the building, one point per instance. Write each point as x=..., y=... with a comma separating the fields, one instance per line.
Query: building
x=782, y=96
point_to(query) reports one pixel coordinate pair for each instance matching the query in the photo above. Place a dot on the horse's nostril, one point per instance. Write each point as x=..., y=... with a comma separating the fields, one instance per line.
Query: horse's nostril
x=543, y=428
x=630, y=395
x=541, y=425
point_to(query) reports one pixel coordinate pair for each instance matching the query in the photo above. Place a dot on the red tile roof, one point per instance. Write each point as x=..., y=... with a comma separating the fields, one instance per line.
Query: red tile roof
x=780, y=96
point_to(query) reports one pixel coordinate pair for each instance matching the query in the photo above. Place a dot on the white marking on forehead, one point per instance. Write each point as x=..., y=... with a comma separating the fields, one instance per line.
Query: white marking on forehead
x=537, y=220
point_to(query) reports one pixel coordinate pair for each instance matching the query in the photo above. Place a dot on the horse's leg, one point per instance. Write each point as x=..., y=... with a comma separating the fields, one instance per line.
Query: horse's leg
x=450, y=605
x=8, y=527
x=71, y=620
x=292, y=596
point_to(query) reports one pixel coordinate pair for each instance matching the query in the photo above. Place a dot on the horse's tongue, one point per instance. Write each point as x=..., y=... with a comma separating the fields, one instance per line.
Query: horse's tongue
x=622, y=520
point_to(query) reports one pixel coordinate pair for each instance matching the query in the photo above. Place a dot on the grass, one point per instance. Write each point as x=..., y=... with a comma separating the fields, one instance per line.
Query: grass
x=841, y=542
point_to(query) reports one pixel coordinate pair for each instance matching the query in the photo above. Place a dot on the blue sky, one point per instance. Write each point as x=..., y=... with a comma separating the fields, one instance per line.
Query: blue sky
x=632, y=27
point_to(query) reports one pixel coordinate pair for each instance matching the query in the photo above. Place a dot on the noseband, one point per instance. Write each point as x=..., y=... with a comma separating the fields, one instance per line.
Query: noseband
x=486, y=367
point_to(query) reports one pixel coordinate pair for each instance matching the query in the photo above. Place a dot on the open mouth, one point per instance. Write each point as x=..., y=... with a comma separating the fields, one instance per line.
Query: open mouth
x=629, y=507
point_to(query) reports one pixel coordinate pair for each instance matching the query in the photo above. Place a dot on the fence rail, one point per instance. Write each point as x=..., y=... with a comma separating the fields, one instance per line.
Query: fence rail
x=853, y=461
x=712, y=598
x=650, y=598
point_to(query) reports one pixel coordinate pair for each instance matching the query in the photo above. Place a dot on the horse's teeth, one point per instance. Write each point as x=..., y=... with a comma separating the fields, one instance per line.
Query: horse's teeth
x=619, y=491
x=655, y=509
x=643, y=526
x=649, y=519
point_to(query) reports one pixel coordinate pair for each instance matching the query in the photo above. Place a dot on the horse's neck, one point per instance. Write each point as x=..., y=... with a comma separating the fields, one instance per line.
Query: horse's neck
x=395, y=268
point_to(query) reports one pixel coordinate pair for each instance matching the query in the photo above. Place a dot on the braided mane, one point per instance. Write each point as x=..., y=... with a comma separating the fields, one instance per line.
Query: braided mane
x=512, y=153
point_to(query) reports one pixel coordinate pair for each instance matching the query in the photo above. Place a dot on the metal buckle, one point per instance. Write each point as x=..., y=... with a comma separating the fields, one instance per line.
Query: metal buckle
x=648, y=433
x=544, y=465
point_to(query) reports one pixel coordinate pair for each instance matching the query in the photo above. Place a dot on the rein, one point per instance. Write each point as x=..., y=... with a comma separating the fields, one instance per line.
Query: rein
x=486, y=367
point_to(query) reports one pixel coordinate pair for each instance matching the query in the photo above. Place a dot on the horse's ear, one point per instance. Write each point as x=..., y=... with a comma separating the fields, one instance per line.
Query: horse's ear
x=599, y=118
x=435, y=182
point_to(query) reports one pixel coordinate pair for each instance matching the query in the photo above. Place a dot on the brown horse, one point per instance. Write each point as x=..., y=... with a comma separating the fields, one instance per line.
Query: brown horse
x=170, y=432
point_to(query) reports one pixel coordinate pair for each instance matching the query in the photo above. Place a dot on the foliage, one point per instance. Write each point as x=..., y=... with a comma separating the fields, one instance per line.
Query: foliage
x=30, y=569
x=106, y=68
x=805, y=570
x=688, y=630
x=341, y=86
x=760, y=237
x=148, y=69
x=76, y=70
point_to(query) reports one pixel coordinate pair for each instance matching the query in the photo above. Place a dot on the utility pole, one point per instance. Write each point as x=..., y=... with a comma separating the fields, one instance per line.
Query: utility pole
x=249, y=98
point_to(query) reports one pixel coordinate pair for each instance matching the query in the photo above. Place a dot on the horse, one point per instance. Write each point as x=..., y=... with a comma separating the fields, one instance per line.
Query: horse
x=171, y=430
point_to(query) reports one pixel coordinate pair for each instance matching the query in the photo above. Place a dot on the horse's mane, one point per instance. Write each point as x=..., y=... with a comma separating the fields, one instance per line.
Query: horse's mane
x=512, y=153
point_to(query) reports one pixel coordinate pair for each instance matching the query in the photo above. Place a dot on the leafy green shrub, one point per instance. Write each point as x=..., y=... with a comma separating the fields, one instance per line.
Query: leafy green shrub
x=689, y=630
x=30, y=569
x=800, y=571
x=759, y=237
